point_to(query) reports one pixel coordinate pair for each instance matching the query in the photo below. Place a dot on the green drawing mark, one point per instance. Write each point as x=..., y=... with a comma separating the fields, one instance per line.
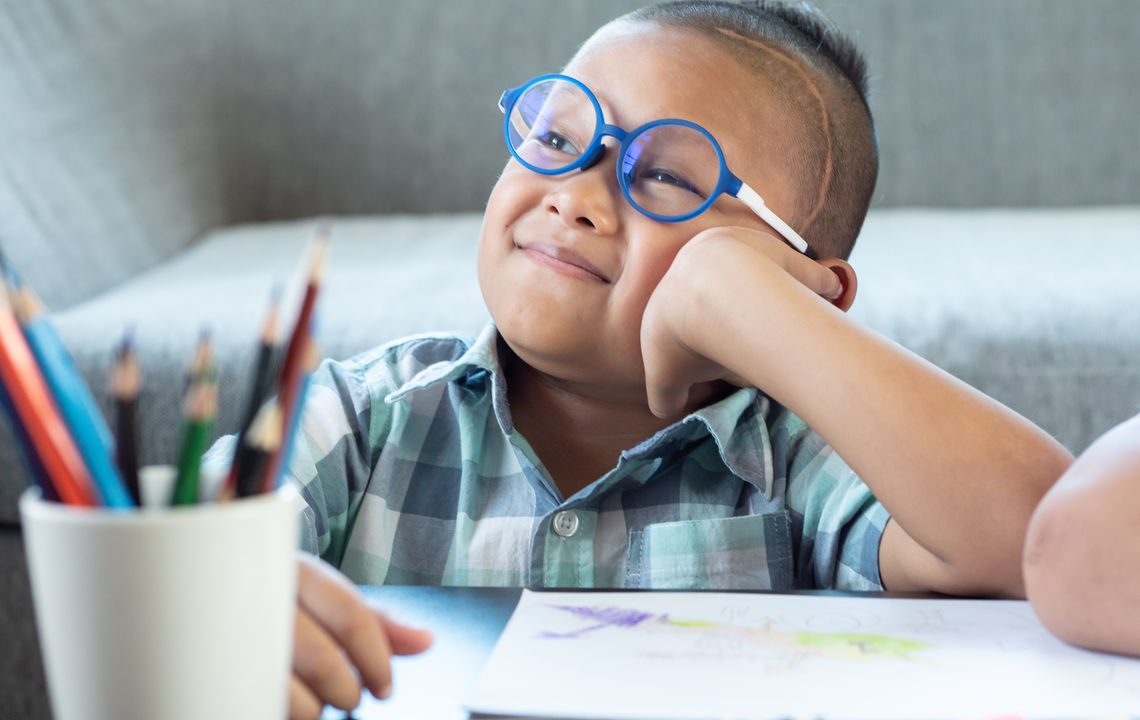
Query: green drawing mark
x=860, y=645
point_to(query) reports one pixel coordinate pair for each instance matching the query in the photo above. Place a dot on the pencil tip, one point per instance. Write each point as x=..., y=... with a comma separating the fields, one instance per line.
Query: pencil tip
x=127, y=343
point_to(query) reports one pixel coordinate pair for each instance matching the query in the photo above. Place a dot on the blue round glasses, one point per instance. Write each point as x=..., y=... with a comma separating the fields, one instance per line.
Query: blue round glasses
x=670, y=170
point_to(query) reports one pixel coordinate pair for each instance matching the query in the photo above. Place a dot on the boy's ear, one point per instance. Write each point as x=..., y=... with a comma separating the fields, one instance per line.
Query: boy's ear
x=847, y=276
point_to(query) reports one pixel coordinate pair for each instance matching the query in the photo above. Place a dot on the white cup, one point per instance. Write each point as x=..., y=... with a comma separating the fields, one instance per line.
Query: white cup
x=184, y=613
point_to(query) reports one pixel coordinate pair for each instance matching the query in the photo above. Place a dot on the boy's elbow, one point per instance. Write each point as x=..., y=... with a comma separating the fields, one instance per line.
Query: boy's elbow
x=1070, y=580
x=1051, y=572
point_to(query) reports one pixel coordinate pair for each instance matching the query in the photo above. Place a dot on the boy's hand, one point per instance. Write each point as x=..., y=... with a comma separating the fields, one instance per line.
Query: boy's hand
x=686, y=336
x=340, y=643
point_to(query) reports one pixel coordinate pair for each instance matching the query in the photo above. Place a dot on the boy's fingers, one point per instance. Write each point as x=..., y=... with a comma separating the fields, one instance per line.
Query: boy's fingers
x=819, y=278
x=342, y=612
x=404, y=639
x=303, y=704
x=831, y=285
x=321, y=667
x=666, y=382
x=666, y=400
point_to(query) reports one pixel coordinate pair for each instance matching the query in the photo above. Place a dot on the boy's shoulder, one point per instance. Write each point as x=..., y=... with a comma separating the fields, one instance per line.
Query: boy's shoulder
x=406, y=357
x=391, y=366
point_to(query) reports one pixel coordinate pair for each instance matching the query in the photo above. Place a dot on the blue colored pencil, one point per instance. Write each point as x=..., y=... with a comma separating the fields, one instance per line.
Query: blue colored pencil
x=73, y=398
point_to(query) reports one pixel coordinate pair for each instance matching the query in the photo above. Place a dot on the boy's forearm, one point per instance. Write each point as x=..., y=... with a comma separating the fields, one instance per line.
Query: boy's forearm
x=960, y=473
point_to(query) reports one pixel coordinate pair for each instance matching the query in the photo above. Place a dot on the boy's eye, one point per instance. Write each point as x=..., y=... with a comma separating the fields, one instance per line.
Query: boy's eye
x=557, y=142
x=668, y=177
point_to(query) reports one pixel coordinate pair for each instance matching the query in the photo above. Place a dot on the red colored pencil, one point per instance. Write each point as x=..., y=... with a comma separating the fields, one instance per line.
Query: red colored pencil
x=292, y=367
x=49, y=437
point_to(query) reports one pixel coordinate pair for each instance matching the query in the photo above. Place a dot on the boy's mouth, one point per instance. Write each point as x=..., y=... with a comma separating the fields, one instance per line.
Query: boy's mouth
x=562, y=260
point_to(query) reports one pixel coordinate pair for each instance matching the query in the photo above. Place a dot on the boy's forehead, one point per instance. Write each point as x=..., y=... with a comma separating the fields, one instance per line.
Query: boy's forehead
x=644, y=71
x=764, y=114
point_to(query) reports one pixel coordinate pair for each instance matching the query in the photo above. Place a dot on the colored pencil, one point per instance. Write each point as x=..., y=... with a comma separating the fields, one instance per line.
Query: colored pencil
x=292, y=423
x=73, y=398
x=261, y=443
x=292, y=366
x=202, y=360
x=201, y=406
x=260, y=387
x=31, y=459
x=48, y=435
x=123, y=385
x=298, y=338
x=262, y=382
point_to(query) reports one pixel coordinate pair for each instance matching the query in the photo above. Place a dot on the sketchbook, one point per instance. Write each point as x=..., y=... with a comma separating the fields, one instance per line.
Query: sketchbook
x=680, y=655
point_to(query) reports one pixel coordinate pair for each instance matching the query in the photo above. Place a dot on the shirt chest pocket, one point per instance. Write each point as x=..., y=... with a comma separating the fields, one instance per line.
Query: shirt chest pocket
x=740, y=553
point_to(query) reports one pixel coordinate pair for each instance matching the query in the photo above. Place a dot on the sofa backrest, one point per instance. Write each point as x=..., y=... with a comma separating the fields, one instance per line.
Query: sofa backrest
x=132, y=126
x=108, y=146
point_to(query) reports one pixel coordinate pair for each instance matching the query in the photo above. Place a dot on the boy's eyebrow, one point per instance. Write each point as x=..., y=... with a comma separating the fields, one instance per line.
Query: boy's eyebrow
x=824, y=115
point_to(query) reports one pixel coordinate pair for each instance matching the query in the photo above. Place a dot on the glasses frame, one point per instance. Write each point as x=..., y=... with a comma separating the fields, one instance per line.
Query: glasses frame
x=727, y=183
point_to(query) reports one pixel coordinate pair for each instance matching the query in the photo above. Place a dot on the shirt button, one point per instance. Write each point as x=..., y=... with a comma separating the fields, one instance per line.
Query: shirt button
x=566, y=523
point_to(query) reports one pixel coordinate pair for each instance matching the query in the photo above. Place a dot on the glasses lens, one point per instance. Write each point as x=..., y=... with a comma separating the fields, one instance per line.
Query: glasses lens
x=551, y=124
x=670, y=170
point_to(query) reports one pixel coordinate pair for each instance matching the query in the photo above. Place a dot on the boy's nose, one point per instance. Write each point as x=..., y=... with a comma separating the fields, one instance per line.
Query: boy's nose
x=588, y=197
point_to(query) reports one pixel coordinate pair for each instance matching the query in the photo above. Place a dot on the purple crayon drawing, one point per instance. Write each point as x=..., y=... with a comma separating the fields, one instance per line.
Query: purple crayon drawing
x=604, y=617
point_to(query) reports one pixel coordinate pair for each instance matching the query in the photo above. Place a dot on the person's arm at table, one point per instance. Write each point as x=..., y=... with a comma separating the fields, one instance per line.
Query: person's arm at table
x=1082, y=552
x=340, y=643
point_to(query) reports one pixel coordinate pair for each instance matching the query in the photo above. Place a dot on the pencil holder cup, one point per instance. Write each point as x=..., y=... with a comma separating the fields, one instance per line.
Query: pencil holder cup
x=181, y=614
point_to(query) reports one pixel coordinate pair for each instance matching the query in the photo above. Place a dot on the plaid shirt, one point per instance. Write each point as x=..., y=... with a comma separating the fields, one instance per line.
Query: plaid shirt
x=413, y=474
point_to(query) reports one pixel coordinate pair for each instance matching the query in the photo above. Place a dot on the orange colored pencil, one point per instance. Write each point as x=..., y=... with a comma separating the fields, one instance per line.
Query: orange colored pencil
x=49, y=437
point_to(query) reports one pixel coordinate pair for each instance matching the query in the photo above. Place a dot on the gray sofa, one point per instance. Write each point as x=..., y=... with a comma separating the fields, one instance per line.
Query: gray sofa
x=161, y=164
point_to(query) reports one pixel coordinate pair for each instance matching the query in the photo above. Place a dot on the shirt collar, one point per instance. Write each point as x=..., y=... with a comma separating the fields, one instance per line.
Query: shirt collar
x=481, y=357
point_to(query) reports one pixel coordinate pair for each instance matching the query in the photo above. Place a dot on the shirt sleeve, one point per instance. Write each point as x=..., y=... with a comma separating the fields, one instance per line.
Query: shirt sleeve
x=836, y=518
x=331, y=458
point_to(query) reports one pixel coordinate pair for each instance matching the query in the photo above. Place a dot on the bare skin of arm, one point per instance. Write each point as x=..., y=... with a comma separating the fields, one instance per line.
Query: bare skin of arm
x=1082, y=554
x=960, y=473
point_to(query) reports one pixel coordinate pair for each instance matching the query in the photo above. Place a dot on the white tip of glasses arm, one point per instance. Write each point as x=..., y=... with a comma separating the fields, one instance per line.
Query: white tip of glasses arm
x=749, y=197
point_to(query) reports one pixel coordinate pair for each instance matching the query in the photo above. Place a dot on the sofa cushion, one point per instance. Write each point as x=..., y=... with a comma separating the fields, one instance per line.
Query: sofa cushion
x=386, y=278
x=1038, y=308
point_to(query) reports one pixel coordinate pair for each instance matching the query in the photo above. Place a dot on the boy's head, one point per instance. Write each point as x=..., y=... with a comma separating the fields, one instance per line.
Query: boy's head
x=567, y=264
x=819, y=78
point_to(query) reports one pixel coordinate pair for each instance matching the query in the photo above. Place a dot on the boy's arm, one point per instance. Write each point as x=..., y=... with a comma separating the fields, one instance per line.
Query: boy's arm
x=1082, y=553
x=959, y=472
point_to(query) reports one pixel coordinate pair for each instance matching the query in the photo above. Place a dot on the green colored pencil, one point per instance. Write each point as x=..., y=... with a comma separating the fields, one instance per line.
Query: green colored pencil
x=200, y=410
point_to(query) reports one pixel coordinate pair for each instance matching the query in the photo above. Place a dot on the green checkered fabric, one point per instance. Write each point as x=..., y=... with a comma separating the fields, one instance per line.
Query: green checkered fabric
x=413, y=474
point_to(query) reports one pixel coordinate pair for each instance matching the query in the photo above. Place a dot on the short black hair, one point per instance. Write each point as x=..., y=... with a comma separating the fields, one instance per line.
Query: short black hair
x=838, y=166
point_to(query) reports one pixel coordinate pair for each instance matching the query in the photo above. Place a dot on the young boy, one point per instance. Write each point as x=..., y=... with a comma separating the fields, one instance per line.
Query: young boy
x=607, y=430
x=1082, y=554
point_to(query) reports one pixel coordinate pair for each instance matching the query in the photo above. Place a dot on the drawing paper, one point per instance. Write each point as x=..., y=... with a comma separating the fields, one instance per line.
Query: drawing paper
x=668, y=655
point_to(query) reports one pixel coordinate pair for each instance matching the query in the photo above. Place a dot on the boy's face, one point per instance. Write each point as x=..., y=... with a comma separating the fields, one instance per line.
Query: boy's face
x=566, y=265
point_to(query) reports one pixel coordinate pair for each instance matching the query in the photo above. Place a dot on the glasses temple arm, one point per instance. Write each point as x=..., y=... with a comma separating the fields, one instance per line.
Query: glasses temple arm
x=749, y=197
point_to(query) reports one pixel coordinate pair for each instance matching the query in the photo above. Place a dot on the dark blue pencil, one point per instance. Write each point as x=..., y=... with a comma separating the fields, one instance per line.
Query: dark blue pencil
x=31, y=459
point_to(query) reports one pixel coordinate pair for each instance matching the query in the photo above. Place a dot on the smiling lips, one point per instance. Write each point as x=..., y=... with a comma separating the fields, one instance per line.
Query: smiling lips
x=563, y=260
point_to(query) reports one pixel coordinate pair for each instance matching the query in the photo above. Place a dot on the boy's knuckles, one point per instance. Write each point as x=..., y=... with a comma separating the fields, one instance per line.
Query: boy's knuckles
x=354, y=620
